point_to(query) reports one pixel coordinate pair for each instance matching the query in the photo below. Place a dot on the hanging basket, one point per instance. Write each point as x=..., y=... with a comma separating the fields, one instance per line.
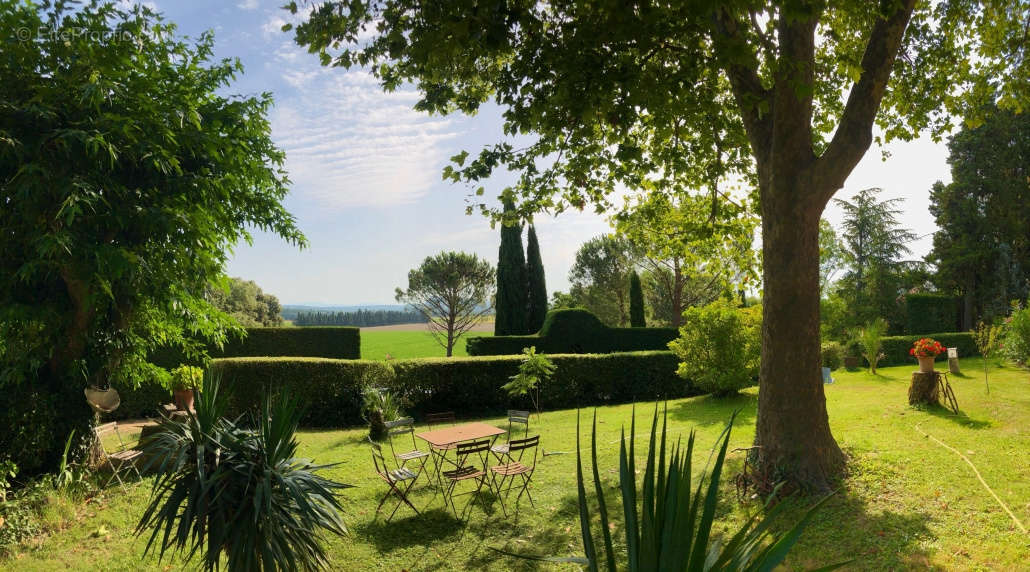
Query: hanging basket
x=102, y=400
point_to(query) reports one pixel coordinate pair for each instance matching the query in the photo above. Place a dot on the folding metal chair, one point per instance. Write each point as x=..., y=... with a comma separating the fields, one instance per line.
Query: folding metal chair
x=518, y=465
x=124, y=455
x=515, y=417
x=393, y=478
x=470, y=465
x=400, y=427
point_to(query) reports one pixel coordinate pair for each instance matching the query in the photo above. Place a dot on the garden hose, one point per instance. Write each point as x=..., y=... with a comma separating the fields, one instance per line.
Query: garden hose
x=978, y=476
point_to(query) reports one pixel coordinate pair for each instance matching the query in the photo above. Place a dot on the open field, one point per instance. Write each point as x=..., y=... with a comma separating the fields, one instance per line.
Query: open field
x=409, y=341
x=908, y=503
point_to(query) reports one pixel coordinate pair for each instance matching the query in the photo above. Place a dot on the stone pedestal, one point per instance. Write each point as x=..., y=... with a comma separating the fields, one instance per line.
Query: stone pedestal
x=924, y=389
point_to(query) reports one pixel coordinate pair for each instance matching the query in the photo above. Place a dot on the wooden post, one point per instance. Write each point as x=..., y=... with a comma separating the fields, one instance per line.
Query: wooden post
x=924, y=389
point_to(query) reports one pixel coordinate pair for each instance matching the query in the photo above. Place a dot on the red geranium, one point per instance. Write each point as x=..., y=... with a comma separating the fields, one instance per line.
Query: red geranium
x=926, y=347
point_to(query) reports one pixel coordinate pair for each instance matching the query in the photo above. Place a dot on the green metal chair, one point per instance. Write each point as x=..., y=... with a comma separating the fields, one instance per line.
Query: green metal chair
x=395, y=478
x=518, y=465
x=515, y=418
x=470, y=466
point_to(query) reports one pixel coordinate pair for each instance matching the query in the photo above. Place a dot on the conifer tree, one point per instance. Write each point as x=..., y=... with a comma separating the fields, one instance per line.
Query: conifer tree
x=636, y=302
x=537, y=302
x=511, y=303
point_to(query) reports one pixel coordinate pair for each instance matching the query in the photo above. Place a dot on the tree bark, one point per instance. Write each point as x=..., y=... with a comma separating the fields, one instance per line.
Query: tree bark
x=923, y=389
x=677, y=294
x=793, y=429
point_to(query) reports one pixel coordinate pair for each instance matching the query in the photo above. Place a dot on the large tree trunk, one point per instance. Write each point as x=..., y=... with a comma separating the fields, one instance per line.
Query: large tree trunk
x=793, y=430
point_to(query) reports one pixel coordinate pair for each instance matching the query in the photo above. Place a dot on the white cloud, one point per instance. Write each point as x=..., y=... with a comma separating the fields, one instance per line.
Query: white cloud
x=348, y=144
x=247, y=5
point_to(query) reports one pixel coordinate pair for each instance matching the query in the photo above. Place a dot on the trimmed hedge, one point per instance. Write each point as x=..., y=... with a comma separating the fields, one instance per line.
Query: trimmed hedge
x=895, y=348
x=575, y=331
x=334, y=342
x=926, y=313
x=331, y=389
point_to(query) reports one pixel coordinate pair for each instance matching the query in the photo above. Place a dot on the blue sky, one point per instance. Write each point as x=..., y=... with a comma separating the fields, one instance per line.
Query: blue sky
x=365, y=168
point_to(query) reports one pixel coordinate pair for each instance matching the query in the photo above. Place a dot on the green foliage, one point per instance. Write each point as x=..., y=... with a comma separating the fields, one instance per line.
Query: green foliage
x=8, y=470
x=672, y=527
x=129, y=172
x=332, y=390
x=378, y=404
x=832, y=354
x=186, y=377
x=719, y=347
x=987, y=338
x=246, y=303
x=453, y=290
x=928, y=313
x=1016, y=340
x=575, y=330
x=982, y=247
x=832, y=254
x=636, y=302
x=534, y=370
x=227, y=490
x=600, y=275
x=871, y=337
x=512, y=282
x=537, y=297
x=874, y=243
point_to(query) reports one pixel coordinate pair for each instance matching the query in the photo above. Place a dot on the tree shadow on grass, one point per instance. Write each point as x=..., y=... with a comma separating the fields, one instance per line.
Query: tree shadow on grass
x=847, y=528
x=961, y=418
x=408, y=529
x=709, y=410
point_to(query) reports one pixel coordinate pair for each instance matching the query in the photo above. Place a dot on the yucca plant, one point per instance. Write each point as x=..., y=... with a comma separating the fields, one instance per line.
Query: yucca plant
x=669, y=525
x=224, y=489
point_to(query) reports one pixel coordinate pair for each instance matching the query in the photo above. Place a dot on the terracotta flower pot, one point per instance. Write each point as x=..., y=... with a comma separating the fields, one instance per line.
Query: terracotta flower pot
x=925, y=364
x=184, y=399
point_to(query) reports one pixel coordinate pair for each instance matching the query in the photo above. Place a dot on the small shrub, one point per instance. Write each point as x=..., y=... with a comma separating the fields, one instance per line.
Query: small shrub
x=719, y=347
x=987, y=338
x=871, y=336
x=379, y=405
x=833, y=355
x=8, y=470
x=1016, y=339
x=534, y=369
x=186, y=377
x=236, y=494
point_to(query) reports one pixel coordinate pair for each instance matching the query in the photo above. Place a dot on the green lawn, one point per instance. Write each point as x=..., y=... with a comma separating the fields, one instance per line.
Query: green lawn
x=907, y=503
x=400, y=344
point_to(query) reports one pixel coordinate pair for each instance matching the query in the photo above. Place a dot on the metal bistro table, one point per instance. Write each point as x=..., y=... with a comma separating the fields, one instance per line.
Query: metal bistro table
x=442, y=440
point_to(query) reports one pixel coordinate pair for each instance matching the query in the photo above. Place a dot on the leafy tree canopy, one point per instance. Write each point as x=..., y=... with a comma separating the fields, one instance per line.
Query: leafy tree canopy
x=125, y=179
x=454, y=290
x=246, y=303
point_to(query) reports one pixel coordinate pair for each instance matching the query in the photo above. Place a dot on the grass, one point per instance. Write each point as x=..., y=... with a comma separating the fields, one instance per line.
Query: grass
x=907, y=503
x=401, y=344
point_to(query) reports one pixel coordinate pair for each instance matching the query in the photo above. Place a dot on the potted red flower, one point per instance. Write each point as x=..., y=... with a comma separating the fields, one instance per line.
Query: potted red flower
x=925, y=350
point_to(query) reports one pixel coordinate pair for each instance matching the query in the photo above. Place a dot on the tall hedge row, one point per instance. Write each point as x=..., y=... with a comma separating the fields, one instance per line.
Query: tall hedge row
x=335, y=342
x=926, y=313
x=575, y=331
x=895, y=348
x=331, y=389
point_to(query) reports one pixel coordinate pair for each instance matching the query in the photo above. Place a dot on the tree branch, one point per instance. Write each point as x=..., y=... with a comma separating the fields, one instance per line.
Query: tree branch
x=855, y=132
x=741, y=67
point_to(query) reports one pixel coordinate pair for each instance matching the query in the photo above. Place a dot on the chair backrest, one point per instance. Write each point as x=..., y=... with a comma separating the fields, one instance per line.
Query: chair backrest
x=516, y=417
x=400, y=426
x=521, y=446
x=105, y=429
x=438, y=418
x=465, y=450
x=378, y=460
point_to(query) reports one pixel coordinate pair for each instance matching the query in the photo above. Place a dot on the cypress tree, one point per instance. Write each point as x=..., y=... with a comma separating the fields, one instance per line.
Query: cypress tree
x=537, y=303
x=510, y=319
x=636, y=302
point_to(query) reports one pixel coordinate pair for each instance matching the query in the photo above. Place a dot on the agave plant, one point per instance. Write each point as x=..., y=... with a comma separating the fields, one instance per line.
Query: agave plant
x=227, y=489
x=669, y=526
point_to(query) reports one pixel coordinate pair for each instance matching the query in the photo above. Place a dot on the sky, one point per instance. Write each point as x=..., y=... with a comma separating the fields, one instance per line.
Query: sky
x=366, y=171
